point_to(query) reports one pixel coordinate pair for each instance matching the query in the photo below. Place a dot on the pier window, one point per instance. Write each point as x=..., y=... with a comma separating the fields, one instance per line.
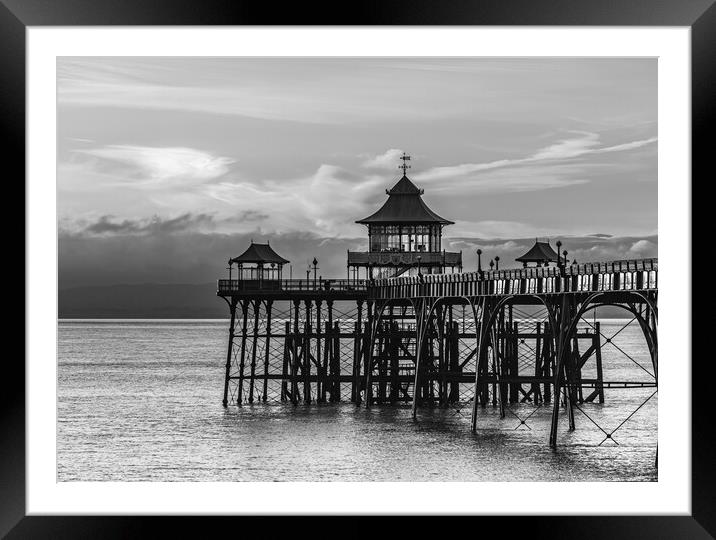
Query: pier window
x=404, y=238
x=393, y=239
x=376, y=241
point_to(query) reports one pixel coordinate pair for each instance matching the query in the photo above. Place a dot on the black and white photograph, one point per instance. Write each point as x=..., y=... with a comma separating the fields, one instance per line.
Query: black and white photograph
x=357, y=269
x=408, y=261
x=401, y=259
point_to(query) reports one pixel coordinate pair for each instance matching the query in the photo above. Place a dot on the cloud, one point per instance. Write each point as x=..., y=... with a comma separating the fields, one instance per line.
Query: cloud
x=252, y=88
x=387, y=160
x=151, y=165
x=643, y=248
x=176, y=181
x=140, y=182
x=108, y=225
x=451, y=171
x=522, y=175
x=521, y=179
x=568, y=148
x=490, y=229
x=326, y=202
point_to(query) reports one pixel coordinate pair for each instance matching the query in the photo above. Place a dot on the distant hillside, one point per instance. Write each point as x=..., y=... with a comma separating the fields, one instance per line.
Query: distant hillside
x=162, y=301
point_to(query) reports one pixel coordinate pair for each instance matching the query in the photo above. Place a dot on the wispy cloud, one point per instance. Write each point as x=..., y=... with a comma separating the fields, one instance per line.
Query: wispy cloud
x=387, y=160
x=626, y=146
x=132, y=181
x=108, y=225
x=568, y=148
x=317, y=95
x=584, y=144
x=150, y=165
x=326, y=202
x=491, y=229
x=643, y=248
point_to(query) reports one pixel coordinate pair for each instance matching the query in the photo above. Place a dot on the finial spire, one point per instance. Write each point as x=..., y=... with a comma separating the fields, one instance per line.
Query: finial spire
x=405, y=157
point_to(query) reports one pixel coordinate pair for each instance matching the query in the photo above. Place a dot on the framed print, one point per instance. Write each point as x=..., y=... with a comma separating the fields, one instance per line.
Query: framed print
x=406, y=263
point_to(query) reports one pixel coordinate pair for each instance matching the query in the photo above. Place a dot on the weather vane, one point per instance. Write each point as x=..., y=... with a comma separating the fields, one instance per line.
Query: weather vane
x=405, y=157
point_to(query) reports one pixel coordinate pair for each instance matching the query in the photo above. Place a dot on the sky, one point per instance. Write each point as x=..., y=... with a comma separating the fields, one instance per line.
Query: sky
x=169, y=166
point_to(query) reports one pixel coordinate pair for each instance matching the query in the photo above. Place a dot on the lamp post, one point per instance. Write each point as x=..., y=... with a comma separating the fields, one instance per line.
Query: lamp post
x=497, y=262
x=492, y=264
x=230, y=272
x=565, y=257
x=479, y=263
x=559, y=245
x=315, y=267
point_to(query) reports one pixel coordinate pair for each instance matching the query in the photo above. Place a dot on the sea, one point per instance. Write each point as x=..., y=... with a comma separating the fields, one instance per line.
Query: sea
x=140, y=400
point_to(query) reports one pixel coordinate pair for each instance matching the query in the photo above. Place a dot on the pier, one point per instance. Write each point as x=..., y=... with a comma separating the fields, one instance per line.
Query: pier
x=408, y=325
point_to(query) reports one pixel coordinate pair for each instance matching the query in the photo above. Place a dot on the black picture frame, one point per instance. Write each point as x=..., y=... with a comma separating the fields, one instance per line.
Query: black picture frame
x=699, y=15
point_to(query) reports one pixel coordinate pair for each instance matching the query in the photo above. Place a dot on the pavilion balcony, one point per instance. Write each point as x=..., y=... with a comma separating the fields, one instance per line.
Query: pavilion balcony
x=426, y=259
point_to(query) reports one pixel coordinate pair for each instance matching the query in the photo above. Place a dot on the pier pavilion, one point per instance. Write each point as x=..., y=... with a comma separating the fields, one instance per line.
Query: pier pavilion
x=404, y=237
x=541, y=254
x=259, y=267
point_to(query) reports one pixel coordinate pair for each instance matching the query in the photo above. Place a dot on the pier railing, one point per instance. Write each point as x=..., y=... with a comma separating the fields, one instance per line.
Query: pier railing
x=626, y=275
x=231, y=286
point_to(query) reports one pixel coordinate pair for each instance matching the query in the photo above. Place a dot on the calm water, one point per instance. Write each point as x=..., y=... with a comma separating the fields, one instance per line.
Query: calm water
x=141, y=400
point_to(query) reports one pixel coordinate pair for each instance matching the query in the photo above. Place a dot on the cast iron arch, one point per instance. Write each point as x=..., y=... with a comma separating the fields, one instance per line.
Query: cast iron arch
x=589, y=304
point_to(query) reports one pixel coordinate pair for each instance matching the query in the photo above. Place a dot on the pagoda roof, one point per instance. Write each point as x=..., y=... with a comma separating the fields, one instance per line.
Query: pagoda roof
x=540, y=252
x=259, y=253
x=404, y=186
x=404, y=205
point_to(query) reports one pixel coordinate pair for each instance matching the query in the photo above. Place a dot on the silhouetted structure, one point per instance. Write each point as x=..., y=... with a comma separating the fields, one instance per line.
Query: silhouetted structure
x=430, y=339
x=541, y=254
x=259, y=263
